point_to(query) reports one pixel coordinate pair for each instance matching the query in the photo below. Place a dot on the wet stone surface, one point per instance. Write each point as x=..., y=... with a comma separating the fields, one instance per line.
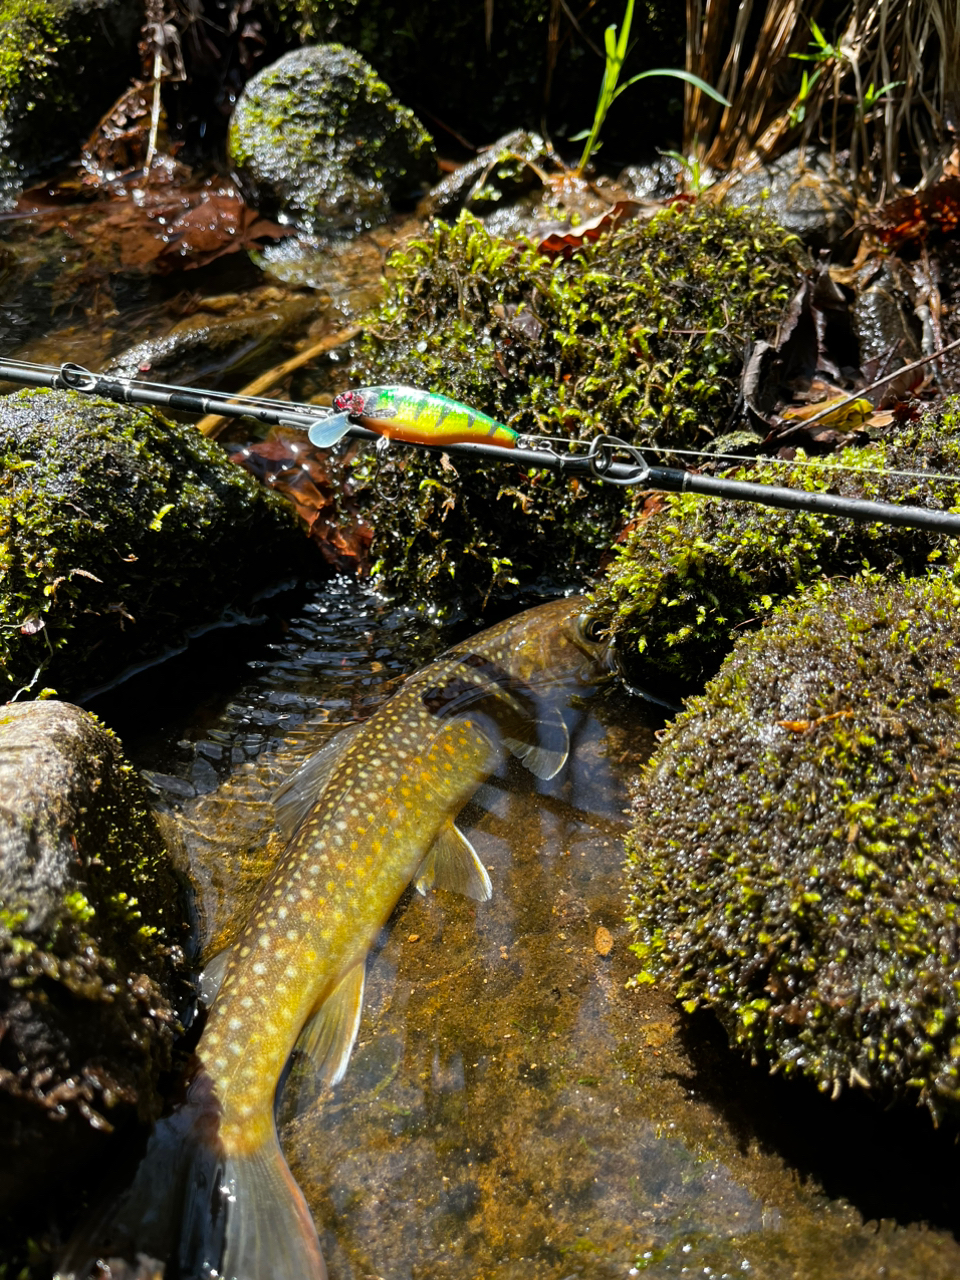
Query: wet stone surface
x=512, y=1110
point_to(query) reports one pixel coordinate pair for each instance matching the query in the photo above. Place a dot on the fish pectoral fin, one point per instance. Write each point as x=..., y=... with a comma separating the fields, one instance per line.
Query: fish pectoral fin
x=452, y=863
x=545, y=752
x=325, y=432
x=295, y=797
x=328, y=1037
x=211, y=980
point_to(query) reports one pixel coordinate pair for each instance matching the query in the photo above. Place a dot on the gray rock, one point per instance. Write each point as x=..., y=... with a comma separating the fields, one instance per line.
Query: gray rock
x=501, y=173
x=92, y=972
x=318, y=141
x=803, y=194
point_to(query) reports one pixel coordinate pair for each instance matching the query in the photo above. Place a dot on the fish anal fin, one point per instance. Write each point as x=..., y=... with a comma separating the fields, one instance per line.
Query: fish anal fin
x=295, y=797
x=325, y=432
x=452, y=863
x=328, y=1037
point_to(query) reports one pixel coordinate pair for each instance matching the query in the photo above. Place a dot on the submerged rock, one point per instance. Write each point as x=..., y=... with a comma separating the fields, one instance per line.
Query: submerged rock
x=92, y=929
x=795, y=865
x=119, y=533
x=318, y=141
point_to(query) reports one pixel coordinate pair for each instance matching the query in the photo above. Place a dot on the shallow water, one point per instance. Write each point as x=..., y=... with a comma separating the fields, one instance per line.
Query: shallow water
x=513, y=1109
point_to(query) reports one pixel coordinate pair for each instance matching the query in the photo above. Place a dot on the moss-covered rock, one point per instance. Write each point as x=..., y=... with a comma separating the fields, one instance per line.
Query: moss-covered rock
x=640, y=335
x=794, y=864
x=532, y=59
x=62, y=63
x=119, y=533
x=92, y=931
x=318, y=140
x=689, y=578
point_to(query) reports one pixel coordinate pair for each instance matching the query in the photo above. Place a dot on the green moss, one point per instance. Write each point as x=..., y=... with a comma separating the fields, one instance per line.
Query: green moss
x=694, y=575
x=319, y=139
x=641, y=336
x=793, y=864
x=117, y=531
x=31, y=31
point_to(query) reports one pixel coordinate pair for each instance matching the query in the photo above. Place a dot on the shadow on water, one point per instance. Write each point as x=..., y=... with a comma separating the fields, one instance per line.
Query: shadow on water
x=889, y=1163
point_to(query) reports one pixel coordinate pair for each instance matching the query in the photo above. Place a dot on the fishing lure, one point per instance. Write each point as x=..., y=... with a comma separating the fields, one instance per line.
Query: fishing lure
x=410, y=415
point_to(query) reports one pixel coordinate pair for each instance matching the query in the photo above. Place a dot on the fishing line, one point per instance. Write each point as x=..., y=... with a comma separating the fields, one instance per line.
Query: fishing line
x=606, y=458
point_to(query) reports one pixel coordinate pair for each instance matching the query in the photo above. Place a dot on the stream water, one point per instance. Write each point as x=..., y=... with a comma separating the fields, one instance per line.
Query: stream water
x=513, y=1110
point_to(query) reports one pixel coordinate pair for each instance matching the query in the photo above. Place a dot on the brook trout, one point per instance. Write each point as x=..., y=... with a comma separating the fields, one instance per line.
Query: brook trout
x=373, y=811
x=404, y=413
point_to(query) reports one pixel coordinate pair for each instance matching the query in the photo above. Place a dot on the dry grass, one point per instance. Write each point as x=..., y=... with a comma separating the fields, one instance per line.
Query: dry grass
x=910, y=49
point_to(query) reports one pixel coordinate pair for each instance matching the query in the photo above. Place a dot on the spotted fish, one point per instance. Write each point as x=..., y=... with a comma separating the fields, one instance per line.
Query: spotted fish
x=404, y=413
x=370, y=813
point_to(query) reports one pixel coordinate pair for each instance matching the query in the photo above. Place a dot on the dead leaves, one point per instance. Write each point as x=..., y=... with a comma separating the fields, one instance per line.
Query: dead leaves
x=169, y=224
x=314, y=485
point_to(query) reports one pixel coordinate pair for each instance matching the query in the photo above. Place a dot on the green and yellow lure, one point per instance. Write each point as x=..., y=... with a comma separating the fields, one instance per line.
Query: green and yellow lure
x=404, y=413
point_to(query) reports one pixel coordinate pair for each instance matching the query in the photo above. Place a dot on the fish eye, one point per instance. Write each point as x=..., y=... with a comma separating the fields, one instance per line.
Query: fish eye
x=591, y=628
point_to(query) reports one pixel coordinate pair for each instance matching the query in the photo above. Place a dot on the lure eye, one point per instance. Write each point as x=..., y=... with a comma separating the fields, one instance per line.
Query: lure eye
x=349, y=402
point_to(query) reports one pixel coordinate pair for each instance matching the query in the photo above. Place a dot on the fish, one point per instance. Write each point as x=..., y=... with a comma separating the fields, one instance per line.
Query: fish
x=410, y=415
x=371, y=813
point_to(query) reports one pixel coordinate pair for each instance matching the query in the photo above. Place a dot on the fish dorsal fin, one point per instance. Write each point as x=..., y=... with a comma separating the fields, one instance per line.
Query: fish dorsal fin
x=452, y=863
x=211, y=980
x=544, y=752
x=325, y=432
x=295, y=797
x=328, y=1037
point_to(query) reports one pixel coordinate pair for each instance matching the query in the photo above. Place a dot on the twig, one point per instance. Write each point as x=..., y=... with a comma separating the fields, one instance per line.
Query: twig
x=213, y=423
x=834, y=405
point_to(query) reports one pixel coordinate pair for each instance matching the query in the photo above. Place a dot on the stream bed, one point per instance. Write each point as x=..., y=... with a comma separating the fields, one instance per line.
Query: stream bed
x=513, y=1108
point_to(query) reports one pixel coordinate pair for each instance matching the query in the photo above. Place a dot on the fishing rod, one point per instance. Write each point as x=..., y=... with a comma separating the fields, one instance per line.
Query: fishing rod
x=605, y=458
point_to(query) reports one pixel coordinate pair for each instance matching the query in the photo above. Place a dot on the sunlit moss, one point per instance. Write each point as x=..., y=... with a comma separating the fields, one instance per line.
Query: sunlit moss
x=118, y=530
x=689, y=579
x=793, y=865
x=640, y=335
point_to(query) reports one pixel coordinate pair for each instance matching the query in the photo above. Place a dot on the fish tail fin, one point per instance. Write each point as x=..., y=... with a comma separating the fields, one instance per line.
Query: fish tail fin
x=325, y=432
x=270, y=1233
x=201, y=1212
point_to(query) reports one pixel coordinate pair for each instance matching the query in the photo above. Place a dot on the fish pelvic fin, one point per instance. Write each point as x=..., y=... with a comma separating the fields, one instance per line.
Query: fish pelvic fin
x=325, y=432
x=270, y=1234
x=544, y=752
x=452, y=863
x=327, y=1039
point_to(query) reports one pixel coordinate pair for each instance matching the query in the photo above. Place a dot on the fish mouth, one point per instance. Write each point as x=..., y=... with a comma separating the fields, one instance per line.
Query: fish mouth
x=592, y=637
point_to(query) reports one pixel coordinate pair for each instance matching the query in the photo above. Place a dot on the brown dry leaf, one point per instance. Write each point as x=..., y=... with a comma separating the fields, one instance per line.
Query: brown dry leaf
x=563, y=241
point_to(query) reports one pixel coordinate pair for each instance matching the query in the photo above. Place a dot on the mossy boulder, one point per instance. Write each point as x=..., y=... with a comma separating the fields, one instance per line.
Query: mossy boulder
x=794, y=864
x=62, y=64
x=92, y=937
x=486, y=68
x=691, y=576
x=640, y=335
x=119, y=533
x=318, y=141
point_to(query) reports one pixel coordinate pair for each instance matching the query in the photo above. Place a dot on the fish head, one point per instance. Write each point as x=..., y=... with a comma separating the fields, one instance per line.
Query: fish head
x=557, y=645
